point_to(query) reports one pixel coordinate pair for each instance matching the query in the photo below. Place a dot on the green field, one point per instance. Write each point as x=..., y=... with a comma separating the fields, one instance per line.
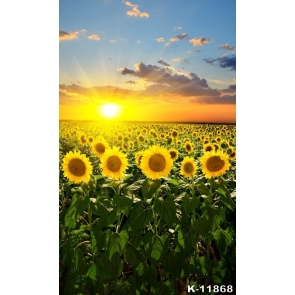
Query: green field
x=147, y=208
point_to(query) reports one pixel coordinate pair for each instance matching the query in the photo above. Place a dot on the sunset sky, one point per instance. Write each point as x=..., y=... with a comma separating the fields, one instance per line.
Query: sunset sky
x=162, y=60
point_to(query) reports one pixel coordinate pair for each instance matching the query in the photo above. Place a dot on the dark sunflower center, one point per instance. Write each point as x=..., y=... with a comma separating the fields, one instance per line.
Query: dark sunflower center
x=233, y=155
x=188, y=167
x=157, y=163
x=173, y=154
x=214, y=164
x=139, y=160
x=114, y=163
x=188, y=147
x=77, y=167
x=174, y=133
x=208, y=149
x=100, y=148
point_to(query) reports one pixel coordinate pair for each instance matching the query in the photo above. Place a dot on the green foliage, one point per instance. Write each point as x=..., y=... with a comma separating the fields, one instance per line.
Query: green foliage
x=142, y=236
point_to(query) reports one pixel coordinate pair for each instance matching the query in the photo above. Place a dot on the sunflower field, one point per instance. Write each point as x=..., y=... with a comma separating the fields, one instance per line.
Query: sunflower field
x=147, y=208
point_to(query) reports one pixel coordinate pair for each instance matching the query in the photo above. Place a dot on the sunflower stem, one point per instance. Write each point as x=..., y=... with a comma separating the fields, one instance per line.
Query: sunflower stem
x=89, y=217
x=155, y=222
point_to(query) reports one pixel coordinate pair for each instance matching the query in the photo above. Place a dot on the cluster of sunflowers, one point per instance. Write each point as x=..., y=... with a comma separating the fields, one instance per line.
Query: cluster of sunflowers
x=155, y=162
x=154, y=148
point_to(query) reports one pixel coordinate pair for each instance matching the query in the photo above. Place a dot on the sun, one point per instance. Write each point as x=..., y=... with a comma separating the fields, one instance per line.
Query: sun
x=109, y=110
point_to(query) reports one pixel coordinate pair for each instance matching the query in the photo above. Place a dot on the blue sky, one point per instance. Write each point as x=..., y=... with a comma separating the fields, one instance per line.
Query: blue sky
x=193, y=39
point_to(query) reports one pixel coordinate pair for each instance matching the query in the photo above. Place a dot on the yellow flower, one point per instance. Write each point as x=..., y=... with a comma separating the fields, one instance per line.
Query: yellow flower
x=188, y=147
x=173, y=154
x=233, y=155
x=99, y=147
x=113, y=163
x=82, y=139
x=208, y=147
x=156, y=162
x=76, y=167
x=138, y=157
x=214, y=163
x=140, y=138
x=188, y=167
x=174, y=133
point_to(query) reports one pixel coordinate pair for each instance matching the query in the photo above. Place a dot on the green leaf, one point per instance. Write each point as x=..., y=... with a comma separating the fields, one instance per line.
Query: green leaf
x=98, y=239
x=199, y=264
x=156, y=249
x=77, y=258
x=117, y=243
x=107, y=269
x=190, y=204
x=218, y=270
x=203, y=189
x=138, y=219
x=149, y=187
x=135, y=186
x=226, y=198
x=166, y=210
x=134, y=256
x=77, y=206
x=123, y=203
x=92, y=272
x=173, y=181
x=223, y=240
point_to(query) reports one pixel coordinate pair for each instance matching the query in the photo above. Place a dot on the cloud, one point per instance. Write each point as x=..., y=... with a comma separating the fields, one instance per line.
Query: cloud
x=78, y=95
x=161, y=39
x=131, y=82
x=177, y=28
x=93, y=37
x=113, y=41
x=223, y=62
x=229, y=90
x=164, y=82
x=135, y=11
x=225, y=99
x=163, y=63
x=177, y=59
x=178, y=37
x=227, y=47
x=200, y=42
x=68, y=36
x=167, y=44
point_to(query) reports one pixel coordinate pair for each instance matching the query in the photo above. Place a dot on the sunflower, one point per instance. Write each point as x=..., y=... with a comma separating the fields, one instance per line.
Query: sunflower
x=113, y=163
x=156, y=162
x=82, y=139
x=230, y=150
x=174, y=133
x=173, y=154
x=216, y=146
x=125, y=145
x=232, y=156
x=99, y=147
x=138, y=157
x=120, y=137
x=208, y=147
x=188, y=147
x=214, y=163
x=224, y=144
x=188, y=167
x=140, y=138
x=76, y=167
